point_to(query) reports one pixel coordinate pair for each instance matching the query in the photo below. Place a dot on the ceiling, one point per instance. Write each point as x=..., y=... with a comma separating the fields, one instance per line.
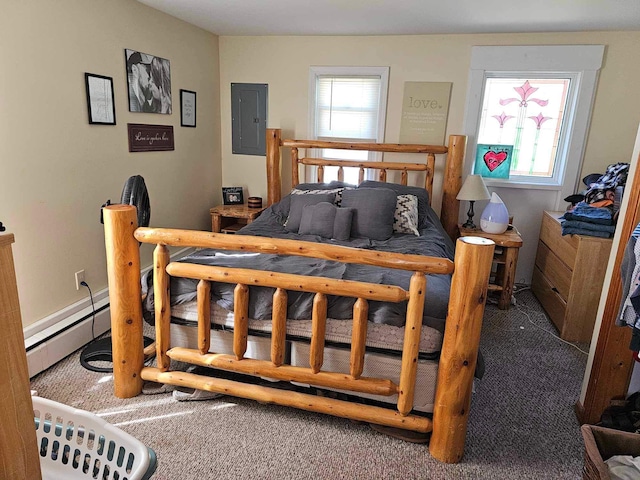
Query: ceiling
x=401, y=17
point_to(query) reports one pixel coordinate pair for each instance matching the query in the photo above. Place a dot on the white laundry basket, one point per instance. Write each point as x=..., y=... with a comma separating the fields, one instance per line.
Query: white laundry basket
x=76, y=444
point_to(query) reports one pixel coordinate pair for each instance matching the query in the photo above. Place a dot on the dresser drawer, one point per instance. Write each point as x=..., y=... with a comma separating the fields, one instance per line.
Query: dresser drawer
x=564, y=247
x=551, y=301
x=554, y=270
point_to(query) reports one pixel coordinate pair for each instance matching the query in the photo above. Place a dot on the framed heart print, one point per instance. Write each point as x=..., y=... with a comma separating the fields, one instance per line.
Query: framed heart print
x=493, y=161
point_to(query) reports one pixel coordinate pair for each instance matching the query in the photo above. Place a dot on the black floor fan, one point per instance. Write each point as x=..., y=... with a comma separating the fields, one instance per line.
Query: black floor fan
x=99, y=351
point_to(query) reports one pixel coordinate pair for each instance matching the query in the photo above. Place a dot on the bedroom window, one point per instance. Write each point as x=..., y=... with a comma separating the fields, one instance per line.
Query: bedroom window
x=527, y=114
x=347, y=104
x=536, y=101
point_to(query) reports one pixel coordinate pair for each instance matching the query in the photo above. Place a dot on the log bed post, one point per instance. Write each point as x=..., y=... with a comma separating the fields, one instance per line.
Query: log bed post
x=125, y=294
x=274, y=181
x=450, y=210
x=460, y=347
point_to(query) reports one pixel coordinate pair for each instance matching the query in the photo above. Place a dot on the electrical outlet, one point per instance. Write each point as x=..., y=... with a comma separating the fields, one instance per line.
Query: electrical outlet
x=79, y=279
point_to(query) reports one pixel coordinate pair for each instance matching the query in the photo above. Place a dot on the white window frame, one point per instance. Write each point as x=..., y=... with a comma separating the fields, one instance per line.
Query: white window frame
x=382, y=72
x=580, y=63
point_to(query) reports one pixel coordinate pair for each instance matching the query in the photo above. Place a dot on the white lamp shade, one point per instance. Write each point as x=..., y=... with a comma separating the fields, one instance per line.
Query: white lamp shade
x=473, y=189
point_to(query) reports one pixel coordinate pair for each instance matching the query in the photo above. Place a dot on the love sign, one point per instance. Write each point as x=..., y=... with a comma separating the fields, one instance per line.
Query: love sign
x=493, y=161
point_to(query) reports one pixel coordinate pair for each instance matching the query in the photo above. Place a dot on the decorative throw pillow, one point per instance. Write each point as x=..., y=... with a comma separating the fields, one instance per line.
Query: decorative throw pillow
x=421, y=194
x=342, y=223
x=321, y=191
x=405, y=219
x=298, y=202
x=326, y=220
x=374, y=210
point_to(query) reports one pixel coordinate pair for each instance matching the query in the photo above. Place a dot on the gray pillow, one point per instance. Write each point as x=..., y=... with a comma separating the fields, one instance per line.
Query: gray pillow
x=419, y=192
x=298, y=202
x=342, y=223
x=326, y=220
x=374, y=210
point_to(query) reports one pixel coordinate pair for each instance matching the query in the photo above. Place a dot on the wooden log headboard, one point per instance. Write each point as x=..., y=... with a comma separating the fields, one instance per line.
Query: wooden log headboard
x=452, y=181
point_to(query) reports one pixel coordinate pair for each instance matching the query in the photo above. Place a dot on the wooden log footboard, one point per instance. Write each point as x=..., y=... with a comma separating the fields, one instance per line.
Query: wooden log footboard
x=471, y=268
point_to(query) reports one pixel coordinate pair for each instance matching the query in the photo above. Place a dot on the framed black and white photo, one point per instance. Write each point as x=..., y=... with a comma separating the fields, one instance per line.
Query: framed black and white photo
x=100, y=104
x=149, y=82
x=187, y=108
x=232, y=195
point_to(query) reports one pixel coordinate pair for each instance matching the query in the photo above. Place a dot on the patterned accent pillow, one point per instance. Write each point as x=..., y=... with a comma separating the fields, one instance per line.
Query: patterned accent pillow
x=337, y=191
x=405, y=219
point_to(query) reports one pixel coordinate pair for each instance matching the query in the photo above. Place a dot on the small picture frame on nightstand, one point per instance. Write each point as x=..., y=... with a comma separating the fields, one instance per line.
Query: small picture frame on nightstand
x=232, y=195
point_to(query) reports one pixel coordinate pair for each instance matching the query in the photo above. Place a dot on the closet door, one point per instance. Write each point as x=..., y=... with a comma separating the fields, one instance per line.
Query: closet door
x=612, y=362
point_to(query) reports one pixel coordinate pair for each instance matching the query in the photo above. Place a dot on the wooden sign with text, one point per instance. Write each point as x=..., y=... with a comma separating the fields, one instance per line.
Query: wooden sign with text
x=425, y=109
x=150, y=138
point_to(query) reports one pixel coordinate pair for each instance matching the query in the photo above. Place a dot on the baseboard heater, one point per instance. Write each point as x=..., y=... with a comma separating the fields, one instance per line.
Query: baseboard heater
x=57, y=336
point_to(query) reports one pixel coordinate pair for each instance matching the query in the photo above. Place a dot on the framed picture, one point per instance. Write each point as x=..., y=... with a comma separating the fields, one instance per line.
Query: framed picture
x=150, y=138
x=102, y=110
x=232, y=195
x=149, y=82
x=493, y=161
x=187, y=108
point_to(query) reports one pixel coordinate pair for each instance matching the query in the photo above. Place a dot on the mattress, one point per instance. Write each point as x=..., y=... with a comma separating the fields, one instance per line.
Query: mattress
x=380, y=337
x=382, y=357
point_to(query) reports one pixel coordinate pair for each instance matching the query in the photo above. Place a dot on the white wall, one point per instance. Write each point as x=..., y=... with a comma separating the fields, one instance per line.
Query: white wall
x=283, y=63
x=56, y=169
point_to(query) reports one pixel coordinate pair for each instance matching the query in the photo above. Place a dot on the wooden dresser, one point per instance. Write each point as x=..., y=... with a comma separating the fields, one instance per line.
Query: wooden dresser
x=568, y=277
x=19, y=459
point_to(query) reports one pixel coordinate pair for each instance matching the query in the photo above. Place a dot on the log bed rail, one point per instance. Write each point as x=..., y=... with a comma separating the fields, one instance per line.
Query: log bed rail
x=470, y=270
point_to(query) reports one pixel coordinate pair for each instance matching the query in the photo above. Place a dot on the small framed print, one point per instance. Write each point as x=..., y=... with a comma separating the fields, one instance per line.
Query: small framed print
x=187, y=108
x=493, y=161
x=232, y=195
x=102, y=110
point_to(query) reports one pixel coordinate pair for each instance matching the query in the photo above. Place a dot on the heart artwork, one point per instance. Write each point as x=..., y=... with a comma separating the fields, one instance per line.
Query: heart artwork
x=494, y=159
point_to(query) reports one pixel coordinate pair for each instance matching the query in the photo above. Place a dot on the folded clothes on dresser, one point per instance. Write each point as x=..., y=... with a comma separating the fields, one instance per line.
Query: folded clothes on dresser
x=585, y=219
x=583, y=212
x=593, y=227
x=580, y=231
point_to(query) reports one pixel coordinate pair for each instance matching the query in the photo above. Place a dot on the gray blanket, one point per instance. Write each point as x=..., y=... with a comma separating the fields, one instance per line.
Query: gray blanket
x=433, y=241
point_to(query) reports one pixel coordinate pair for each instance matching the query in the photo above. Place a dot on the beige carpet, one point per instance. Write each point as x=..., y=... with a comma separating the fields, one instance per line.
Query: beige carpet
x=522, y=424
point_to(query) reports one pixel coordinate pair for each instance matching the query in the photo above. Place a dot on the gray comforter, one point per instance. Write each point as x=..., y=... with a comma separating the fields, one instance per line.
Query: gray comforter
x=433, y=241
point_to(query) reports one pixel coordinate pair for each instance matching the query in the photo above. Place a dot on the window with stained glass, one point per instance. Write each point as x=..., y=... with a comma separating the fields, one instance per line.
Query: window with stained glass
x=528, y=114
x=535, y=100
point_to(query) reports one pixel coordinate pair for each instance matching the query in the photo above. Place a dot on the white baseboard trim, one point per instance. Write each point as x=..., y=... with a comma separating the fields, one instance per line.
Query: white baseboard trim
x=56, y=336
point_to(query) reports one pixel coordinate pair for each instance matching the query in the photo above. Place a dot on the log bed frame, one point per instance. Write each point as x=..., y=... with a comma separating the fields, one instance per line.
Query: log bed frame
x=470, y=269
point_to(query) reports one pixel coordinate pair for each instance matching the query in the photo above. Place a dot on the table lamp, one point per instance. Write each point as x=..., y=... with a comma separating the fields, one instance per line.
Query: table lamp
x=473, y=189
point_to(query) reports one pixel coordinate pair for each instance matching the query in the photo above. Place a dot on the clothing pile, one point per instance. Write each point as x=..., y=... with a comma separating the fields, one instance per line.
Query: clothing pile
x=596, y=213
x=629, y=313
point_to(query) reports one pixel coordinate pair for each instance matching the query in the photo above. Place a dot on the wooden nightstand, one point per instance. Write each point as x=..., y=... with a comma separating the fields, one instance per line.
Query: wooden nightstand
x=505, y=259
x=231, y=218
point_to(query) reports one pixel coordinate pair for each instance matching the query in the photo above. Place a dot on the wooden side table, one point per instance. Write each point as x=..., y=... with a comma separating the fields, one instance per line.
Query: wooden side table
x=231, y=218
x=505, y=258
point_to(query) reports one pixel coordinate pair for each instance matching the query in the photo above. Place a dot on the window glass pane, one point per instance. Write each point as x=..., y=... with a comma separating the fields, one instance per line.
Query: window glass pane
x=347, y=107
x=527, y=114
x=350, y=173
